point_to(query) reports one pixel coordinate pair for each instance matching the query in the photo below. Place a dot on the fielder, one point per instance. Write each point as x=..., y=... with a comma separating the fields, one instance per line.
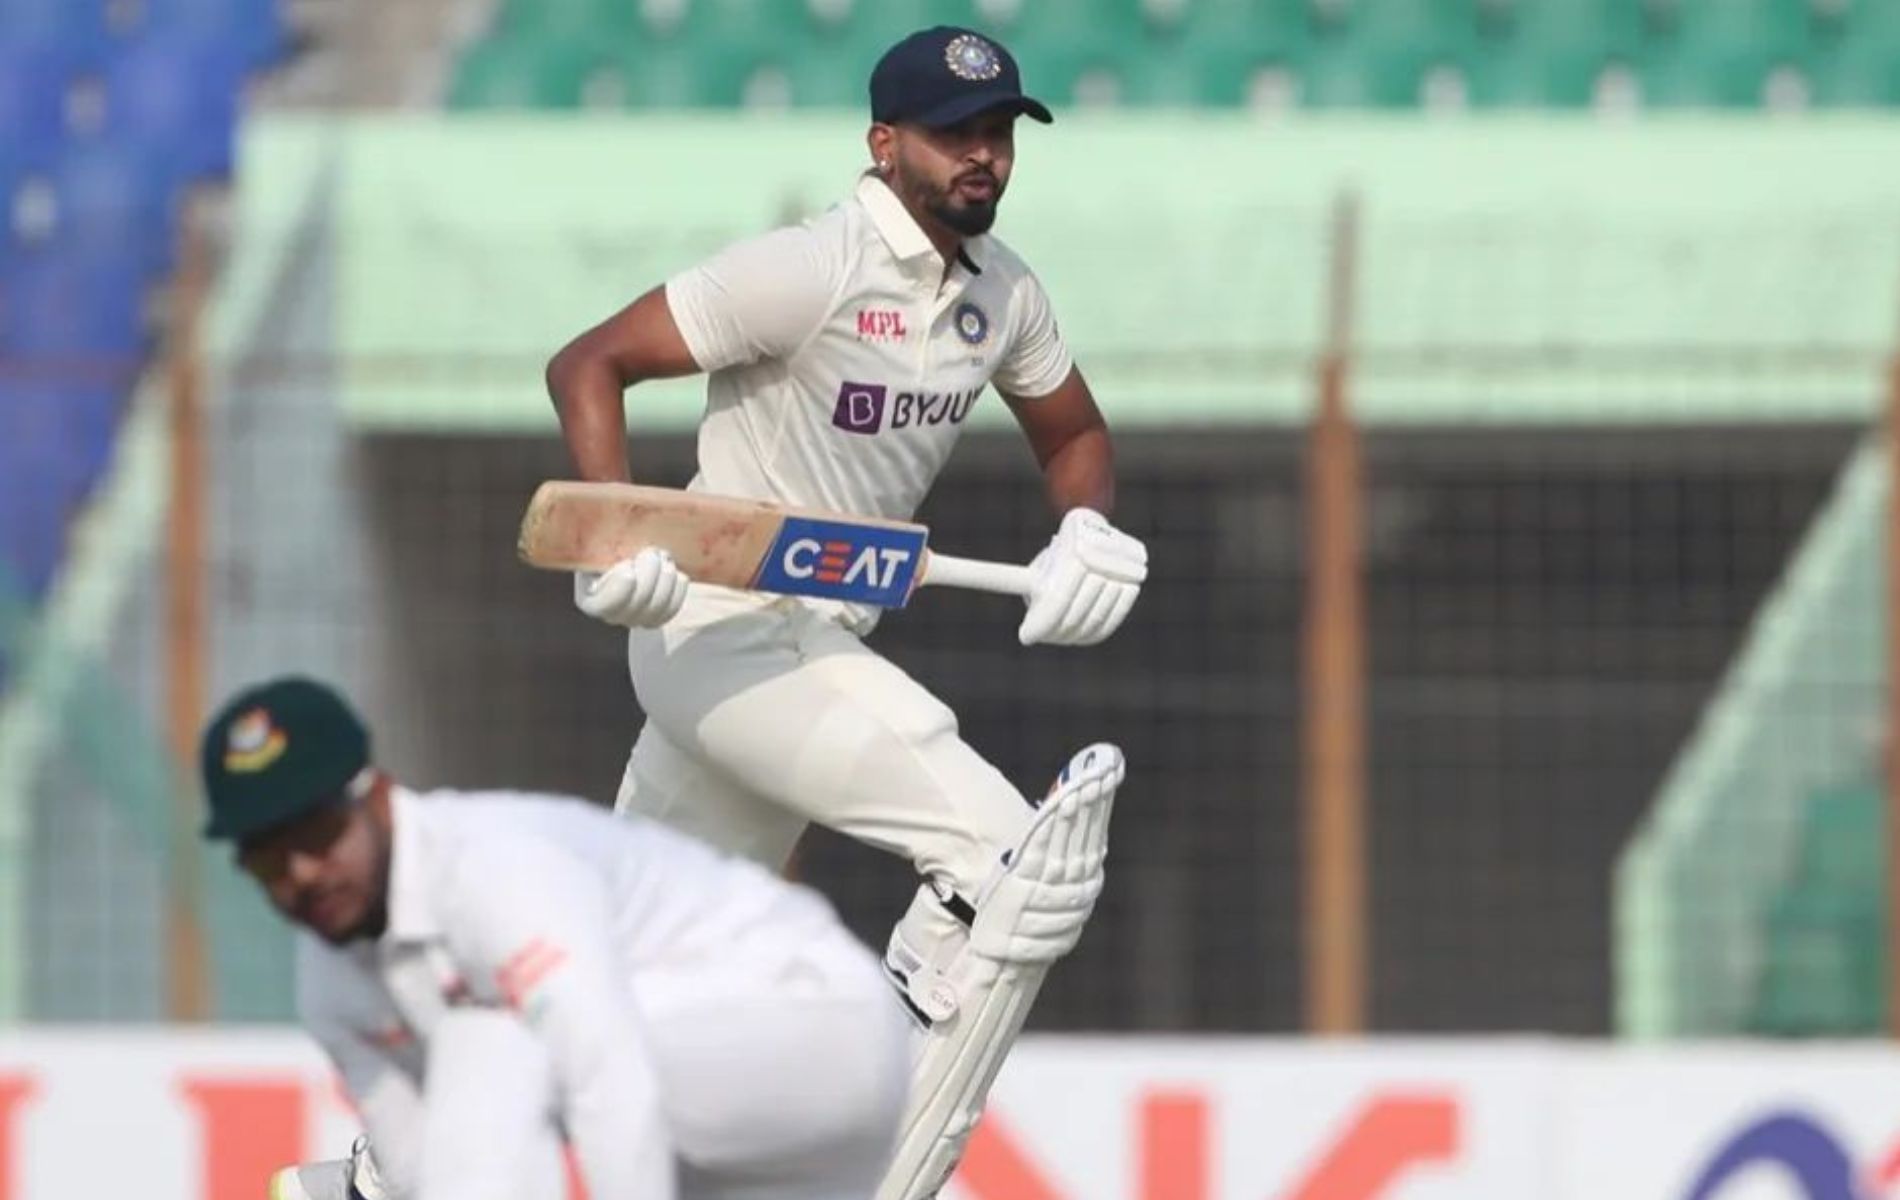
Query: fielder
x=844, y=356
x=493, y=973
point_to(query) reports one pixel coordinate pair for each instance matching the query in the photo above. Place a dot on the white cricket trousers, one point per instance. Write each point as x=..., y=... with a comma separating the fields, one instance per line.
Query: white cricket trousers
x=786, y=1086
x=765, y=713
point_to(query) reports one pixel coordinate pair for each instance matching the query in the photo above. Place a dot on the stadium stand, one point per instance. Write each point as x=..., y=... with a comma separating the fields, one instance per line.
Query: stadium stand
x=90, y=196
x=1220, y=53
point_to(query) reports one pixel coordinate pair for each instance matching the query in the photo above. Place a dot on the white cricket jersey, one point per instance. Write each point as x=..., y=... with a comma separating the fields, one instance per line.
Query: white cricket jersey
x=566, y=915
x=844, y=362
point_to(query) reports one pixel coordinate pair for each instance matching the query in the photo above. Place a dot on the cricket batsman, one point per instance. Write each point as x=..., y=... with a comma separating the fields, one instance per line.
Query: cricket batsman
x=844, y=356
x=495, y=973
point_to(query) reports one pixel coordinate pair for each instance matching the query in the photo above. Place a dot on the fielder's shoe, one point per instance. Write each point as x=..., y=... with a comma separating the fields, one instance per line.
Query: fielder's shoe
x=352, y=1178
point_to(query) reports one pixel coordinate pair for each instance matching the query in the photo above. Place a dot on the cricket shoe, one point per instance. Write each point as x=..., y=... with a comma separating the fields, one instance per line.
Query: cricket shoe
x=337, y=1179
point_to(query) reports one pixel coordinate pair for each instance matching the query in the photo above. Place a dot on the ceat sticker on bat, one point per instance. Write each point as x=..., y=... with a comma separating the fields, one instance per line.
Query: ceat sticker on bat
x=859, y=564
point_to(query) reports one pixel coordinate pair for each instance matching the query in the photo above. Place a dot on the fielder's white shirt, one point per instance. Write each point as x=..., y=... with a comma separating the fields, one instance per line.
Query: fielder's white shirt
x=562, y=913
x=844, y=361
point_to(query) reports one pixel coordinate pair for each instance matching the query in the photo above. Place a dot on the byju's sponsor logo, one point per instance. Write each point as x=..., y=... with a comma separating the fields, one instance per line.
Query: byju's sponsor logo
x=872, y=408
x=860, y=407
x=932, y=408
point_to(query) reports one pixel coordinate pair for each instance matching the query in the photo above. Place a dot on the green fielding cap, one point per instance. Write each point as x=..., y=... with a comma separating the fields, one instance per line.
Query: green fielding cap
x=276, y=752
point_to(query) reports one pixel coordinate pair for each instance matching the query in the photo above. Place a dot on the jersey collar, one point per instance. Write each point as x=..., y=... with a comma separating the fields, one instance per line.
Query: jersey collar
x=411, y=917
x=904, y=236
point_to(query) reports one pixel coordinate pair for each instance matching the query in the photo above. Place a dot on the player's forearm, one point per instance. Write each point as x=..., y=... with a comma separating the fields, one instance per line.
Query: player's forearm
x=610, y=1089
x=1081, y=473
x=587, y=393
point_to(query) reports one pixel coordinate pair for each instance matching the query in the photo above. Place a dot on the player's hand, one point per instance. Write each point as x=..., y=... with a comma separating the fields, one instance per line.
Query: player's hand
x=1087, y=579
x=642, y=592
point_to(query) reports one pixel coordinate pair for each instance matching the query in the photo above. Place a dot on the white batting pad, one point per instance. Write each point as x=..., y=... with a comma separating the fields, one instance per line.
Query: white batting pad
x=976, y=992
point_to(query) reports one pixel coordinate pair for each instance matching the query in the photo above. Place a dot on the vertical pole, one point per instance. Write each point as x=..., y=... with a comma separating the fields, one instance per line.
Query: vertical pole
x=187, y=964
x=1333, y=704
x=1890, y=748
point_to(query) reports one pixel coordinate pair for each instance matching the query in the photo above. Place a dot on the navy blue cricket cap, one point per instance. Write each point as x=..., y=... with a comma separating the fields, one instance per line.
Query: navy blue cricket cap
x=276, y=752
x=939, y=76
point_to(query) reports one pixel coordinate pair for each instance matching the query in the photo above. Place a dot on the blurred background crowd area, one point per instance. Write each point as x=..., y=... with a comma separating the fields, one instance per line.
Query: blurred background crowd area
x=1508, y=372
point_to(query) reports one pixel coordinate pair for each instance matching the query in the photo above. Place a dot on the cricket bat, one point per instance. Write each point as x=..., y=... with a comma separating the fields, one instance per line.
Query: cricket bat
x=749, y=544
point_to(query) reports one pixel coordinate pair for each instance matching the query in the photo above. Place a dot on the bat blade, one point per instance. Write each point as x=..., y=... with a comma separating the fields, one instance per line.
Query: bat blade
x=733, y=543
x=591, y=526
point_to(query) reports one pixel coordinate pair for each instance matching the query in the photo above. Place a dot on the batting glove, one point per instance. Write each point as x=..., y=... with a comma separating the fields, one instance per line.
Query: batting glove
x=1086, y=580
x=642, y=592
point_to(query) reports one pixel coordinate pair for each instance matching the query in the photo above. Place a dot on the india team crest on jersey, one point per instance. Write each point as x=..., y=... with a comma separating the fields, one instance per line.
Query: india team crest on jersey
x=973, y=324
x=972, y=58
x=253, y=743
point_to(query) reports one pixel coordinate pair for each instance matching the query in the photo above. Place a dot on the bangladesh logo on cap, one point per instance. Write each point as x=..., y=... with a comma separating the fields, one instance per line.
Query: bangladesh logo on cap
x=253, y=743
x=972, y=58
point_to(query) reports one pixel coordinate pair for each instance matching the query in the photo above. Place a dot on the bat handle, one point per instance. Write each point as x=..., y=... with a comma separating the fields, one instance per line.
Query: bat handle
x=1008, y=579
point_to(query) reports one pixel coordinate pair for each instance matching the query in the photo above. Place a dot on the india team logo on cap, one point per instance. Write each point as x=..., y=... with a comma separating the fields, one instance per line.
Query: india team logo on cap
x=254, y=743
x=973, y=324
x=972, y=58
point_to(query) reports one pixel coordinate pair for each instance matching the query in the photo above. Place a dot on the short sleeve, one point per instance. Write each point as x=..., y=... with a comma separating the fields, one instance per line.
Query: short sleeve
x=1038, y=360
x=758, y=299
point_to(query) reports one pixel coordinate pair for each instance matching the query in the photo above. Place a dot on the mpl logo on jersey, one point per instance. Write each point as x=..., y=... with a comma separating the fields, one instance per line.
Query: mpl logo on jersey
x=881, y=325
x=836, y=560
x=873, y=408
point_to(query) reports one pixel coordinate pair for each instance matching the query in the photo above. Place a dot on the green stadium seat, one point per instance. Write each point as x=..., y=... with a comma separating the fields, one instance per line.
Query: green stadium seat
x=1709, y=76
x=1730, y=55
x=1549, y=53
x=1347, y=76
x=1867, y=22
x=1265, y=29
x=1777, y=26
x=1014, y=20
x=827, y=71
x=1536, y=77
x=1207, y=52
x=1440, y=26
x=684, y=75
x=523, y=72
x=722, y=21
x=1235, y=18
x=1843, y=843
x=876, y=24
x=1380, y=52
x=1064, y=75
x=1610, y=27
x=1856, y=74
x=1060, y=41
x=1824, y=970
x=1172, y=78
x=1196, y=77
x=593, y=21
x=1824, y=973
